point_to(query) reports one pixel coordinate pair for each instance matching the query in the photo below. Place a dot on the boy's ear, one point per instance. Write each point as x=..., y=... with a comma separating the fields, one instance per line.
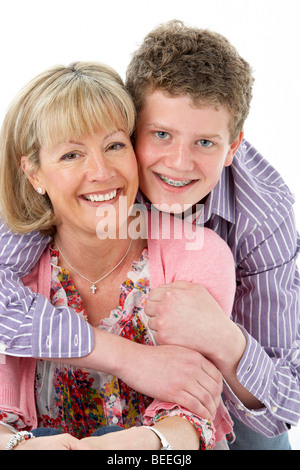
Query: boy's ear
x=233, y=148
x=30, y=173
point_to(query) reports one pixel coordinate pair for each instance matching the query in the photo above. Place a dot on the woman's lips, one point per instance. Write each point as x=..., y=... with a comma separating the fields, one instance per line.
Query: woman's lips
x=101, y=196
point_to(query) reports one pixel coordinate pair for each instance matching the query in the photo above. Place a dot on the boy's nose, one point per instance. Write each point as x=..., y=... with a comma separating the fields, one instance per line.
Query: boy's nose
x=180, y=158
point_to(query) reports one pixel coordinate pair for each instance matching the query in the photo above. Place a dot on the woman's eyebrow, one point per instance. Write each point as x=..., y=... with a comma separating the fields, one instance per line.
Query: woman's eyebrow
x=111, y=134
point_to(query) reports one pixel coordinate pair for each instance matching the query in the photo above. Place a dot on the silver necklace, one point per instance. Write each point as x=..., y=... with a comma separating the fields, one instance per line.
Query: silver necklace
x=93, y=287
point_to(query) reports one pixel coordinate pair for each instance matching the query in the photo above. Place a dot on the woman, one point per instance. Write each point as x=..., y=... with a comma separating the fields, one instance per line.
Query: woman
x=69, y=132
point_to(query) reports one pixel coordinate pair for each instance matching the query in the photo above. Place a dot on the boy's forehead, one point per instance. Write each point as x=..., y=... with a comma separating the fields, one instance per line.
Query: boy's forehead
x=162, y=108
x=158, y=95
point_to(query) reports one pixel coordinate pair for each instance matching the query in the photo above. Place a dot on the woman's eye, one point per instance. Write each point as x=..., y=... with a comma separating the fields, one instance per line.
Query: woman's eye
x=70, y=156
x=205, y=143
x=162, y=135
x=116, y=146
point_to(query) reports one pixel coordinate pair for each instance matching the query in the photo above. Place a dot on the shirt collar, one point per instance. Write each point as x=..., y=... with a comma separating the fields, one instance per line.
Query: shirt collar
x=221, y=201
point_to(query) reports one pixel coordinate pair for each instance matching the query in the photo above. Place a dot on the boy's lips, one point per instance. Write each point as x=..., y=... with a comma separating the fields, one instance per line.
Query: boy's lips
x=175, y=182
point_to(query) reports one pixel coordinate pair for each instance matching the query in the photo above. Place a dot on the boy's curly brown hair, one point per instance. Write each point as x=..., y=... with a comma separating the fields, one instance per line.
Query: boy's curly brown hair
x=202, y=64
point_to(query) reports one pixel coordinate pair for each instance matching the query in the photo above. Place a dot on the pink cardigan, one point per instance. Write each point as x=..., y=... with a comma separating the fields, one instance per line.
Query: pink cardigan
x=211, y=266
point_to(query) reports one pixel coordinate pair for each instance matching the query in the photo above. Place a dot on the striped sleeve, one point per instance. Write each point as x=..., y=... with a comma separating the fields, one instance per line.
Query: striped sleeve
x=29, y=325
x=267, y=309
x=19, y=253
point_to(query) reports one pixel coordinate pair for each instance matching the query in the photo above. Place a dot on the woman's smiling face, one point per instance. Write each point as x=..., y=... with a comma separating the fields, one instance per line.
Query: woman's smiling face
x=80, y=176
x=181, y=149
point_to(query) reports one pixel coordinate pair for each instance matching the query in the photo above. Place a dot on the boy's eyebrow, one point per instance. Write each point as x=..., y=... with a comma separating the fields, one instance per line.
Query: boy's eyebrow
x=170, y=129
x=161, y=126
x=212, y=136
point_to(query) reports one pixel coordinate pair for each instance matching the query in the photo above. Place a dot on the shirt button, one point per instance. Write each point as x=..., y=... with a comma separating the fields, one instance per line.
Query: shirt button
x=239, y=407
x=112, y=398
x=109, y=378
x=274, y=409
x=115, y=420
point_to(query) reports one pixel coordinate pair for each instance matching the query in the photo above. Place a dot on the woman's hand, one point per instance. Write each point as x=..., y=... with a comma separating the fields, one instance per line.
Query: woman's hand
x=57, y=442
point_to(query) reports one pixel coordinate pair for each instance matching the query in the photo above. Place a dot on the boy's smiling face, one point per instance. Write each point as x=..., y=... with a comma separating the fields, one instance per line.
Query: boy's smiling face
x=181, y=149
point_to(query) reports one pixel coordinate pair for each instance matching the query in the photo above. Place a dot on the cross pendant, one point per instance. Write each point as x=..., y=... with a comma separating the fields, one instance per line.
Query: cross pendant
x=94, y=288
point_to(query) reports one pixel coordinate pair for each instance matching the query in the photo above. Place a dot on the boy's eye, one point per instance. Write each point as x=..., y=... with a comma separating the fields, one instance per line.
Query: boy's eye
x=205, y=143
x=162, y=135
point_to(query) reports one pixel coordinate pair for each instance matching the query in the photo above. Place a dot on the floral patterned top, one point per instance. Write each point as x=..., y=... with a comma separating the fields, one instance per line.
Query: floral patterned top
x=79, y=401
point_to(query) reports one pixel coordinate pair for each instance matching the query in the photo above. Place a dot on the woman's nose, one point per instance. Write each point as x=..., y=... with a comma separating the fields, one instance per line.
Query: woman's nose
x=99, y=168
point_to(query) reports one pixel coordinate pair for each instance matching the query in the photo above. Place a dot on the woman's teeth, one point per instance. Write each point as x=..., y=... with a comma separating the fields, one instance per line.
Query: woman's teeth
x=176, y=183
x=101, y=197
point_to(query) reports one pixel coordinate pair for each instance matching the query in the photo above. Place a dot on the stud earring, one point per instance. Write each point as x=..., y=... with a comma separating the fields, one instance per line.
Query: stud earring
x=40, y=190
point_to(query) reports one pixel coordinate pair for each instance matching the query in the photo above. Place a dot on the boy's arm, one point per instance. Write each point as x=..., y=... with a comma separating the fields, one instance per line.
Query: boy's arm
x=267, y=308
x=20, y=253
x=263, y=374
x=29, y=324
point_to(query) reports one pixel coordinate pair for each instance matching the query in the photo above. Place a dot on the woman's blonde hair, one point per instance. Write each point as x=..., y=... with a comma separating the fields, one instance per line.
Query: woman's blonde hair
x=59, y=104
x=184, y=60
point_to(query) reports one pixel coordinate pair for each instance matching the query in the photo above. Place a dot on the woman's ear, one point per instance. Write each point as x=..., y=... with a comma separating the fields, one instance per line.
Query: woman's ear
x=31, y=175
x=233, y=148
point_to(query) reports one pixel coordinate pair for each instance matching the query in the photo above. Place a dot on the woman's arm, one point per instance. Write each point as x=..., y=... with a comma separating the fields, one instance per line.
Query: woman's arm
x=178, y=432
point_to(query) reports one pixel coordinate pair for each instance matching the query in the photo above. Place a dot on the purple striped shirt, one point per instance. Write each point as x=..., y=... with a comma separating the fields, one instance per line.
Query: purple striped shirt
x=251, y=209
x=29, y=320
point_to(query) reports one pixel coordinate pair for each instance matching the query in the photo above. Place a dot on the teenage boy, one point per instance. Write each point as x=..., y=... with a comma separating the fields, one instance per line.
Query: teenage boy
x=192, y=91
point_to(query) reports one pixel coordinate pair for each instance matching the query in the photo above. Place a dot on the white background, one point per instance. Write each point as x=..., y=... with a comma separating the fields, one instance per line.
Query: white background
x=36, y=34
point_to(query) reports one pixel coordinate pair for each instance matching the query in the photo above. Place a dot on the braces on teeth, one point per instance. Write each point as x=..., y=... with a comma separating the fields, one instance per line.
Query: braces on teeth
x=174, y=182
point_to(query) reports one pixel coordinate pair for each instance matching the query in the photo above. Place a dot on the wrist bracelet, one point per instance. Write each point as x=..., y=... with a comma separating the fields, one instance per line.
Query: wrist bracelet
x=165, y=445
x=17, y=438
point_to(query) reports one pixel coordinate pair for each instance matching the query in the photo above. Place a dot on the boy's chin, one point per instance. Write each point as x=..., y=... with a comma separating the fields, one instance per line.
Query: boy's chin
x=175, y=208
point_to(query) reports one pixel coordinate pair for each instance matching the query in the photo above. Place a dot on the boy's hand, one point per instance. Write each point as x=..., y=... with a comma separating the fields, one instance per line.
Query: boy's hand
x=185, y=314
x=174, y=374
